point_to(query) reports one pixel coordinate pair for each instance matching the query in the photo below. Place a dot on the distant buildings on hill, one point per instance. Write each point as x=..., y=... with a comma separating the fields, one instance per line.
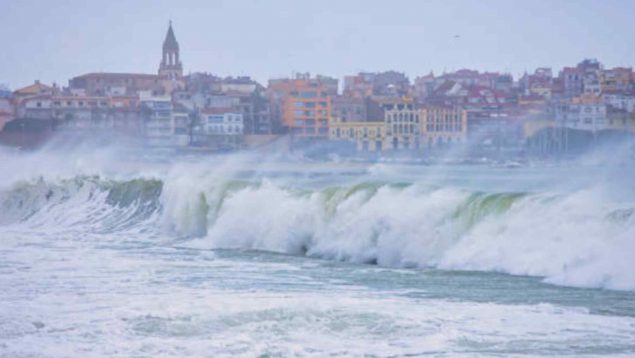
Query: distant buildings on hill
x=373, y=112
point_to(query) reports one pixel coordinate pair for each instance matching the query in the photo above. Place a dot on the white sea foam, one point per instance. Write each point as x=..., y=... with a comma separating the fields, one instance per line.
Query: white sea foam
x=100, y=302
x=571, y=239
x=581, y=237
x=97, y=260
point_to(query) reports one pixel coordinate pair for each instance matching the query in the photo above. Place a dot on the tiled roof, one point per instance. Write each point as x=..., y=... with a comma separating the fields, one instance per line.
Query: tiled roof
x=116, y=75
x=33, y=89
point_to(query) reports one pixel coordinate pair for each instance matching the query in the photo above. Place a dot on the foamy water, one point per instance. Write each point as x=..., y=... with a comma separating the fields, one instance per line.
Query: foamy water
x=107, y=255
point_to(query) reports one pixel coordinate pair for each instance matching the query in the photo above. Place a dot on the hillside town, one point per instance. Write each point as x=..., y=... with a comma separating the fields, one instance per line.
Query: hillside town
x=542, y=113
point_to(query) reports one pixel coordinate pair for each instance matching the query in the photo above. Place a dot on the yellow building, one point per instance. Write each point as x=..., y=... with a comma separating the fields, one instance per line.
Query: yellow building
x=367, y=136
x=531, y=127
x=620, y=120
x=442, y=126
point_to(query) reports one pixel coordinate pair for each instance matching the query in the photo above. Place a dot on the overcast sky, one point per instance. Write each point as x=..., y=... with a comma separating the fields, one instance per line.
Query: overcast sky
x=56, y=40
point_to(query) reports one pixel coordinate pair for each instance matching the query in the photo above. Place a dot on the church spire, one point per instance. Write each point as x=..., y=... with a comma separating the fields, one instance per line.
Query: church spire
x=170, y=66
x=170, y=42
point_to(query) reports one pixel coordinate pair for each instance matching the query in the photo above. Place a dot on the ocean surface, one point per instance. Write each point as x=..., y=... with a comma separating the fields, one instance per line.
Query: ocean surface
x=125, y=253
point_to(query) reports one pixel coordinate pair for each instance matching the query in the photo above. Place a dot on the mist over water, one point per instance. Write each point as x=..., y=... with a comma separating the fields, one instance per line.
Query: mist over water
x=120, y=251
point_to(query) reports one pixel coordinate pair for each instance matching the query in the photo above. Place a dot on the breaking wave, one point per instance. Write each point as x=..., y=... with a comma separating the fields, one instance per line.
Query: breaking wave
x=578, y=238
x=81, y=203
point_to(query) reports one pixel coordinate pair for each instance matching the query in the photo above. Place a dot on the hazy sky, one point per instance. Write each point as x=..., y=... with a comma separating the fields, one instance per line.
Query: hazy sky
x=56, y=40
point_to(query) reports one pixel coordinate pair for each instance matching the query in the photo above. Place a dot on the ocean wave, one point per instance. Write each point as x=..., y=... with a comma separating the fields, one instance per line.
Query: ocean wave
x=578, y=238
x=81, y=203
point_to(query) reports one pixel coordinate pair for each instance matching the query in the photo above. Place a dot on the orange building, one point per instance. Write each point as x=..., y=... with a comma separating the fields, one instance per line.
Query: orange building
x=303, y=105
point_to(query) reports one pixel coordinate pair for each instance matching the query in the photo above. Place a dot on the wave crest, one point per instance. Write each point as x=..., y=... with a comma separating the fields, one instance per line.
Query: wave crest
x=577, y=238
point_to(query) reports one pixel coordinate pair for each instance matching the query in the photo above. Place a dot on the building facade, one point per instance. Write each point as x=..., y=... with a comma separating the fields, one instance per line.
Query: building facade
x=303, y=105
x=403, y=124
x=586, y=112
x=114, y=84
x=220, y=128
x=349, y=109
x=443, y=126
x=164, y=125
x=223, y=121
x=618, y=99
x=366, y=136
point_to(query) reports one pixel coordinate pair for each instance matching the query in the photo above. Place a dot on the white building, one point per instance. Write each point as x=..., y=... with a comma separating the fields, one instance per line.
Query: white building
x=591, y=85
x=164, y=125
x=403, y=128
x=583, y=113
x=624, y=101
x=223, y=121
x=36, y=107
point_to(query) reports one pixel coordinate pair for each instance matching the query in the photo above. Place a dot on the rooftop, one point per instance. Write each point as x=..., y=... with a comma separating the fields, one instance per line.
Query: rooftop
x=116, y=75
x=35, y=88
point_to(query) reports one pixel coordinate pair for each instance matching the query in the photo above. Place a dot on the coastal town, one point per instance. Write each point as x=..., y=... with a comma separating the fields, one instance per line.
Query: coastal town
x=542, y=113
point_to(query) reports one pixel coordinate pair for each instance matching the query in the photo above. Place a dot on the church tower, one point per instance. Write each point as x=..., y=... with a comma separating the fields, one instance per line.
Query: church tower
x=171, y=67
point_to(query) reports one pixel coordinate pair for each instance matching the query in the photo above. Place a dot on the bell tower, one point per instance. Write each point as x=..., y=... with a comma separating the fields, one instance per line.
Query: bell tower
x=171, y=67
